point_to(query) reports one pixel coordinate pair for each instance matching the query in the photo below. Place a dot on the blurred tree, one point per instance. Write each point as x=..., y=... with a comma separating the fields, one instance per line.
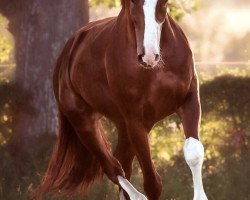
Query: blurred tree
x=40, y=29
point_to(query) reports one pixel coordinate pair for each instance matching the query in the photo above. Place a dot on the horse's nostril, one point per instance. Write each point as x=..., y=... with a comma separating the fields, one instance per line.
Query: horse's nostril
x=157, y=57
x=140, y=58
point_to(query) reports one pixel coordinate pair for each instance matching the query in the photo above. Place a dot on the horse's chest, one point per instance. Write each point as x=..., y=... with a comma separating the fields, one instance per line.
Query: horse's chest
x=157, y=97
x=165, y=96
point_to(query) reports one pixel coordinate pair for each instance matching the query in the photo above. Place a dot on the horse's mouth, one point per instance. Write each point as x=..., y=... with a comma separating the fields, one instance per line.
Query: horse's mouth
x=146, y=66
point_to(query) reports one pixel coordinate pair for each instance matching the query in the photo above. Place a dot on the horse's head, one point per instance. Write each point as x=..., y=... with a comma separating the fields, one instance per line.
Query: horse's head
x=148, y=17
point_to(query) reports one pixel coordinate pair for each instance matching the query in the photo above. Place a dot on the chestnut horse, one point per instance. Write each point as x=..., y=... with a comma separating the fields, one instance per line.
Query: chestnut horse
x=135, y=69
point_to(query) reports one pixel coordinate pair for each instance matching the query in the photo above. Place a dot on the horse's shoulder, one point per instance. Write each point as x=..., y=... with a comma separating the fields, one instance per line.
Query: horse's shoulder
x=92, y=30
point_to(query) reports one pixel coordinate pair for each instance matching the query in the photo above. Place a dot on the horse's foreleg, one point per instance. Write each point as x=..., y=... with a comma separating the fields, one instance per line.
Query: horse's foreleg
x=194, y=153
x=138, y=136
x=193, y=148
x=125, y=154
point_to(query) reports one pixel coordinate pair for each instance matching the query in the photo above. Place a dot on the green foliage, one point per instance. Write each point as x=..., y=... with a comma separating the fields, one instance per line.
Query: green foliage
x=109, y=3
x=21, y=171
x=226, y=133
x=12, y=98
x=6, y=112
x=229, y=100
x=179, y=8
x=208, y=73
x=5, y=50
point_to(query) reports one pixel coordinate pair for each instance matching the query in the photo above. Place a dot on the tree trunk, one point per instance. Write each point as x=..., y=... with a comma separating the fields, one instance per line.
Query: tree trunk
x=40, y=29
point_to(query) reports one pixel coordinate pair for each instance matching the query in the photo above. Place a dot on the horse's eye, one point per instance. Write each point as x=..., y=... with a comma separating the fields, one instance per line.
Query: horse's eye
x=133, y=1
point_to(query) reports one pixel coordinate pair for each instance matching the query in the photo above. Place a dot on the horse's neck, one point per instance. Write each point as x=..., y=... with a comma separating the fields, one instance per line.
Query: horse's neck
x=124, y=27
x=168, y=34
x=170, y=26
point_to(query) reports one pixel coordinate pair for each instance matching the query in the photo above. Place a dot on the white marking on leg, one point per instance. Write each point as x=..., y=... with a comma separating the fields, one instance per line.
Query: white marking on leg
x=194, y=154
x=152, y=33
x=129, y=188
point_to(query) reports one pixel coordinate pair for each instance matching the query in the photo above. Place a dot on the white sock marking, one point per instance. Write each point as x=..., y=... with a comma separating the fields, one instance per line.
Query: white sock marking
x=194, y=154
x=129, y=188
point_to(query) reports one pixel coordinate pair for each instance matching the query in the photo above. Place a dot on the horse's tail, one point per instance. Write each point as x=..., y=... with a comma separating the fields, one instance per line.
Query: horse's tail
x=72, y=168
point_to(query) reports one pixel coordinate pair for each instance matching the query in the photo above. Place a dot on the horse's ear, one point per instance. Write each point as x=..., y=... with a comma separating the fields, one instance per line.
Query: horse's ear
x=124, y=2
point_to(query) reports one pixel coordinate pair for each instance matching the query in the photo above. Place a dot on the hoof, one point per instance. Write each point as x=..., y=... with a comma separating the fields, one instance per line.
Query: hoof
x=200, y=196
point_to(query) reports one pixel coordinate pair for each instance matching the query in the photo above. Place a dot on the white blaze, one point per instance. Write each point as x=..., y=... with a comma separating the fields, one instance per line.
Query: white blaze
x=152, y=33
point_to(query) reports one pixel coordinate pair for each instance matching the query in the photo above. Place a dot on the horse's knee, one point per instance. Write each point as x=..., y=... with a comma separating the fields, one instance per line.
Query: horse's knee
x=125, y=154
x=112, y=168
x=153, y=187
x=193, y=152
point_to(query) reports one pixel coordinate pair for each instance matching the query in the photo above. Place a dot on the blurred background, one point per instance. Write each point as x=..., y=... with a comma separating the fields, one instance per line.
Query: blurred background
x=33, y=32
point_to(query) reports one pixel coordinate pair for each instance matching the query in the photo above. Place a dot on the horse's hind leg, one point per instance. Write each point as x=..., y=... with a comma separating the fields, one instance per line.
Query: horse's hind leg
x=90, y=132
x=193, y=148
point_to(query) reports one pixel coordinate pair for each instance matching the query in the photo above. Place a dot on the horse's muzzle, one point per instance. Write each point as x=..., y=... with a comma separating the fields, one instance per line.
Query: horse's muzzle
x=148, y=61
